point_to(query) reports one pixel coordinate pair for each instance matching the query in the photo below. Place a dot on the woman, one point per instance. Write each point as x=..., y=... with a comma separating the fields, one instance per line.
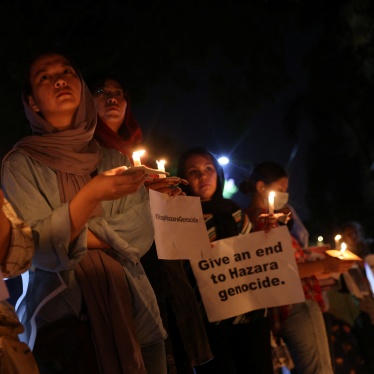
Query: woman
x=301, y=325
x=240, y=344
x=90, y=225
x=187, y=344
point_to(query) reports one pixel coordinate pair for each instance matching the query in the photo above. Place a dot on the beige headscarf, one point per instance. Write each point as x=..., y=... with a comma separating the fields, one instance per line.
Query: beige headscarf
x=72, y=153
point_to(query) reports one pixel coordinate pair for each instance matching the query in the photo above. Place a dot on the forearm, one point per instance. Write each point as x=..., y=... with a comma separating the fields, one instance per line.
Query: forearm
x=81, y=208
x=5, y=237
x=95, y=242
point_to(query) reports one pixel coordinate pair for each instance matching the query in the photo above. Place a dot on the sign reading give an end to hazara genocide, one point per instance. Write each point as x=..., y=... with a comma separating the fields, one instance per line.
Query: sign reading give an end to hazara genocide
x=248, y=272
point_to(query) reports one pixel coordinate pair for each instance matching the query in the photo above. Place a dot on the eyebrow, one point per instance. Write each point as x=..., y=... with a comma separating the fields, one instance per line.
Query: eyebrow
x=45, y=69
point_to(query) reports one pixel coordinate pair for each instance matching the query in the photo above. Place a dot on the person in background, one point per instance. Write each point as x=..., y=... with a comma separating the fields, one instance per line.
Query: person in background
x=353, y=234
x=352, y=307
x=187, y=345
x=300, y=325
x=16, y=251
x=89, y=306
x=240, y=344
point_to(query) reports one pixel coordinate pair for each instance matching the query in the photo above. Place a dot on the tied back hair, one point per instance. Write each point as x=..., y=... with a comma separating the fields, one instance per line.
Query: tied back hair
x=267, y=172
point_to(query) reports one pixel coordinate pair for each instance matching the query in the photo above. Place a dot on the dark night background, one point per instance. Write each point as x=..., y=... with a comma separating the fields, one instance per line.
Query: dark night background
x=282, y=80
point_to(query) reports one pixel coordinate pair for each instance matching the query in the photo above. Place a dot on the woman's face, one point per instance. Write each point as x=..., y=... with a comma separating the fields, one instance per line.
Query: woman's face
x=111, y=104
x=351, y=236
x=56, y=89
x=202, y=176
x=281, y=185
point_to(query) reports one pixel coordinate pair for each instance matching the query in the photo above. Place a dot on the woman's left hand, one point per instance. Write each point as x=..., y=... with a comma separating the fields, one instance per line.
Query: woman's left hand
x=166, y=185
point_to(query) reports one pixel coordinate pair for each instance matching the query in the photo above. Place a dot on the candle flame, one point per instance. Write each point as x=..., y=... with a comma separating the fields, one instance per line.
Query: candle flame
x=161, y=162
x=320, y=238
x=271, y=195
x=139, y=153
x=338, y=237
x=343, y=247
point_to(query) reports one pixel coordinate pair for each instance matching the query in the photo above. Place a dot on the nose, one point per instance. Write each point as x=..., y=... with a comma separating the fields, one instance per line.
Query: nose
x=60, y=82
x=201, y=175
x=112, y=100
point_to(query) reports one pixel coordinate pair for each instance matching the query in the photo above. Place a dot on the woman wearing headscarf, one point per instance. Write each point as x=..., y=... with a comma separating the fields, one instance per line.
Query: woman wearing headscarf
x=240, y=344
x=90, y=225
x=187, y=344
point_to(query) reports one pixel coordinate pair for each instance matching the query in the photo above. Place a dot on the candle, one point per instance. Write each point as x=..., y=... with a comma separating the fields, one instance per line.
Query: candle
x=343, y=253
x=161, y=167
x=320, y=241
x=136, y=157
x=271, y=202
x=343, y=248
x=337, y=240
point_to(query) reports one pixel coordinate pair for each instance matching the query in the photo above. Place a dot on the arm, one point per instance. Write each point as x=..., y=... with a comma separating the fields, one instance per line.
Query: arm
x=109, y=185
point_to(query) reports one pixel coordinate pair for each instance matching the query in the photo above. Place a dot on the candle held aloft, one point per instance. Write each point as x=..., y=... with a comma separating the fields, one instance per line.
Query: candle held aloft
x=136, y=157
x=271, y=202
x=161, y=167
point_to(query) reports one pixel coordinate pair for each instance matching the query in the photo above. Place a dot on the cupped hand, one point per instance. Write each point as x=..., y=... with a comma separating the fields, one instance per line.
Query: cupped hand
x=112, y=184
x=166, y=185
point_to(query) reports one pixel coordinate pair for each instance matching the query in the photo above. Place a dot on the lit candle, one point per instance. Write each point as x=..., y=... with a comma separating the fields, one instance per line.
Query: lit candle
x=343, y=253
x=320, y=241
x=136, y=157
x=161, y=167
x=343, y=248
x=271, y=202
x=337, y=240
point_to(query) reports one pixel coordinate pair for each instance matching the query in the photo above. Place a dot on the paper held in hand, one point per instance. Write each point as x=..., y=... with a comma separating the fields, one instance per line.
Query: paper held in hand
x=180, y=232
x=248, y=272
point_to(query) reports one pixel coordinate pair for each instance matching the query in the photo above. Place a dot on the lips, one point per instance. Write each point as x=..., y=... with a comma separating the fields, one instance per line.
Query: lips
x=112, y=107
x=64, y=92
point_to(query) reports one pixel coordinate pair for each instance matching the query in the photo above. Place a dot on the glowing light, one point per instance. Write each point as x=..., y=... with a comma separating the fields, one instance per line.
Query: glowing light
x=271, y=202
x=136, y=157
x=161, y=167
x=343, y=247
x=229, y=189
x=337, y=240
x=223, y=160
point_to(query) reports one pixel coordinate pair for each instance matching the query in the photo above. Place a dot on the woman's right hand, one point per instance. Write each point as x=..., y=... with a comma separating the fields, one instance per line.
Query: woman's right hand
x=109, y=185
x=112, y=185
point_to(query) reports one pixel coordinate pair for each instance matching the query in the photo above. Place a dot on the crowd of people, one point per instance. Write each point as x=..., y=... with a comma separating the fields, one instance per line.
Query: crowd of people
x=96, y=297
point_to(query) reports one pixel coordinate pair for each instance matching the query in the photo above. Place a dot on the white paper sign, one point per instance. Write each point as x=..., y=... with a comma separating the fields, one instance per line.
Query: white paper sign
x=180, y=231
x=249, y=272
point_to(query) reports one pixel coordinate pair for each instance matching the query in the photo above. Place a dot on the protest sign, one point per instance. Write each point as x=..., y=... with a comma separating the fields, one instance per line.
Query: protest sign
x=248, y=272
x=180, y=231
